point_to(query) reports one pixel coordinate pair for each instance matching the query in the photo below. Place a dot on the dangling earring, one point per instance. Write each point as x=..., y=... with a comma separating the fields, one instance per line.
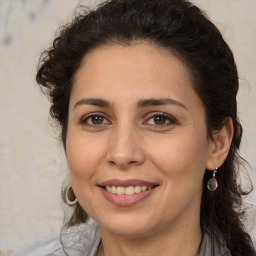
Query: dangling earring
x=212, y=183
x=67, y=200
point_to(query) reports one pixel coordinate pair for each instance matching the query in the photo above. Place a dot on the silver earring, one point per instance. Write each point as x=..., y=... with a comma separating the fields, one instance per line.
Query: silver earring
x=67, y=201
x=212, y=183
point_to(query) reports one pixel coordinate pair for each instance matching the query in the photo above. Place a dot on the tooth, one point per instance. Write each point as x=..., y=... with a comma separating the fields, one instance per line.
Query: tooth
x=113, y=189
x=143, y=188
x=120, y=190
x=129, y=190
x=137, y=189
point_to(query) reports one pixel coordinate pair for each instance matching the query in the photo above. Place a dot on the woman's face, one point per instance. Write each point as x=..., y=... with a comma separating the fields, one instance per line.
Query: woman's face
x=137, y=145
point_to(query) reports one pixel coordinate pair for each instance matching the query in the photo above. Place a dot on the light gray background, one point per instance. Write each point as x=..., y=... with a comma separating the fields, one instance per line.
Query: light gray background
x=32, y=163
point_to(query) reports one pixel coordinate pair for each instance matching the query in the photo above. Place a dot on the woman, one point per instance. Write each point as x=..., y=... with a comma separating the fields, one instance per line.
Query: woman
x=145, y=95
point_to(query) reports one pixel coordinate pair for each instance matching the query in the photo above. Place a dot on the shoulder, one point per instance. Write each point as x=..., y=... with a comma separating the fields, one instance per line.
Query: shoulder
x=44, y=247
x=82, y=240
x=212, y=246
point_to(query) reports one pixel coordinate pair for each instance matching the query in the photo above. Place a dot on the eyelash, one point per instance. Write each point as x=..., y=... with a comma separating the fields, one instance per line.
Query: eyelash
x=167, y=118
x=85, y=119
x=171, y=120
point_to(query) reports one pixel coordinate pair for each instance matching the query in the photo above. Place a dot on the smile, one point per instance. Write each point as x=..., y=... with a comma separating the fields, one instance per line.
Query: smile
x=126, y=193
x=130, y=190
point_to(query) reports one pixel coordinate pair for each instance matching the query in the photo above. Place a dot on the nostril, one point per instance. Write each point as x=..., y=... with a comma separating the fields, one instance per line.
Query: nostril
x=132, y=162
x=123, y=164
x=111, y=162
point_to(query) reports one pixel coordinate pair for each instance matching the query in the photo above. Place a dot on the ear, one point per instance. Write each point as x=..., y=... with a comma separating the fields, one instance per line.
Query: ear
x=220, y=145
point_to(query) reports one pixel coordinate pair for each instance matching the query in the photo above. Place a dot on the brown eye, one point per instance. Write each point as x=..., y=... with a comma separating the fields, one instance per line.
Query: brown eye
x=159, y=120
x=97, y=119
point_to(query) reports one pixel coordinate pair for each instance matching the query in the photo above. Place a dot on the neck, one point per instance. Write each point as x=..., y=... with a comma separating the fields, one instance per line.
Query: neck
x=182, y=241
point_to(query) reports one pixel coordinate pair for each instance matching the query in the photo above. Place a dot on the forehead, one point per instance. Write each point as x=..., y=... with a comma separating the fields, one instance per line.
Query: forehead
x=144, y=55
x=135, y=63
x=139, y=70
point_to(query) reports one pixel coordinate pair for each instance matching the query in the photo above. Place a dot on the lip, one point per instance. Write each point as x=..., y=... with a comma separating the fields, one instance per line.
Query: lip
x=126, y=200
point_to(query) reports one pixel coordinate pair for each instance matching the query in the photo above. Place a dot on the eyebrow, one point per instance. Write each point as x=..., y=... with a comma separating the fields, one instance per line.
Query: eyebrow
x=158, y=102
x=141, y=103
x=93, y=101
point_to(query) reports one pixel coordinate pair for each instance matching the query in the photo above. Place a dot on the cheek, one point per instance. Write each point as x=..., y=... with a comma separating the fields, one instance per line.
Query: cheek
x=182, y=163
x=83, y=155
x=83, y=158
x=182, y=158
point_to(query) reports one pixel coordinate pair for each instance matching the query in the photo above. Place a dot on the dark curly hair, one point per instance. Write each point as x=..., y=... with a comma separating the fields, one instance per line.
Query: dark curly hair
x=186, y=31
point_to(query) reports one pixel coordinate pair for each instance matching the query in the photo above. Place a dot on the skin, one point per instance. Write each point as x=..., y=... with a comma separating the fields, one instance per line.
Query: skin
x=129, y=142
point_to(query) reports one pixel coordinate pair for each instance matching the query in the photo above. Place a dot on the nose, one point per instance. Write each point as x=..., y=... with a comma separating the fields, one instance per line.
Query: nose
x=125, y=148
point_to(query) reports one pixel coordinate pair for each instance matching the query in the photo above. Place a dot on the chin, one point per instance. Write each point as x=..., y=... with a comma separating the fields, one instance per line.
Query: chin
x=131, y=232
x=128, y=227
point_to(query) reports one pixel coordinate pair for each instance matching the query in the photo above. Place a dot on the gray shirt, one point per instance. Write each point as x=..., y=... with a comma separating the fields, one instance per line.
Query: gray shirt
x=84, y=240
